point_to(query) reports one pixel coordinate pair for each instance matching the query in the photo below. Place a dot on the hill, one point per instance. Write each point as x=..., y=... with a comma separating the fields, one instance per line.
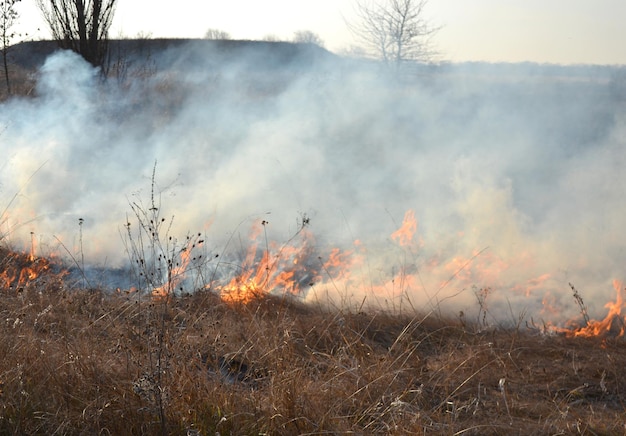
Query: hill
x=31, y=55
x=126, y=55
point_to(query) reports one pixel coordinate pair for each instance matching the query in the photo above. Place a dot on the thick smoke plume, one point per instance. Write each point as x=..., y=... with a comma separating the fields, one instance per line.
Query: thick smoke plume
x=515, y=176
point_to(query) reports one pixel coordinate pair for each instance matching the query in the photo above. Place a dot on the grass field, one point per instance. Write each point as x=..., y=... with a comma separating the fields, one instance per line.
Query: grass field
x=82, y=361
x=80, y=358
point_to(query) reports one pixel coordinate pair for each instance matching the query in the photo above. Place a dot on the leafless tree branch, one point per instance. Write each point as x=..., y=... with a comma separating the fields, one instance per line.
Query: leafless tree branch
x=8, y=18
x=394, y=30
x=80, y=25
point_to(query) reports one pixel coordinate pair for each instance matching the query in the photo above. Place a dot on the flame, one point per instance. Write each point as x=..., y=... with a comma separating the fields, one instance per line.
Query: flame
x=341, y=264
x=613, y=323
x=281, y=268
x=176, y=275
x=278, y=268
x=404, y=235
x=534, y=284
x=288, y=268
x=19, y=269
x=549, y=306
x=33, y=247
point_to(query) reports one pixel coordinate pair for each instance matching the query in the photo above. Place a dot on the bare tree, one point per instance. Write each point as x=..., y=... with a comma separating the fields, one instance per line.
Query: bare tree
x=80, y=25
x=271, y=37
x=8, y=17
x=394, y=30
x=308, y=37
x=216, y=34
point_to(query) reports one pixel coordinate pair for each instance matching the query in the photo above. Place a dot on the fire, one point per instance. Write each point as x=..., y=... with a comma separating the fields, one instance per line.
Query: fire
x=19, y=269
x=275, y=268
x=534, y=284
x=404, y=235
x=340, y=264
x=33, y=247
x=612, y=324
x=175, y=275
x=292, y=268
x=281, y=268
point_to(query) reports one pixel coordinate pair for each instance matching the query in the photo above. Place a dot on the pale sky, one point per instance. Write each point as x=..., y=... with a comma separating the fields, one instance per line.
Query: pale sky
x=554, y=31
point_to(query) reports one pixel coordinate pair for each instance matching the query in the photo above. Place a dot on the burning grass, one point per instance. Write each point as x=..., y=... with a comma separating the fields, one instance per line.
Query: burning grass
x=79, y=361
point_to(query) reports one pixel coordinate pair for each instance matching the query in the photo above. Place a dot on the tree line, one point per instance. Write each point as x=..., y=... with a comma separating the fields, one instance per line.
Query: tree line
x=394, y=31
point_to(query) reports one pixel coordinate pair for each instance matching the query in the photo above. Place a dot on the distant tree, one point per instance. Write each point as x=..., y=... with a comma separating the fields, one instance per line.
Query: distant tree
x=124, y=61
x=217, y=34
x=270, y=37
x=353, y=51
x=308, y=37
x=143, y=35
x=394, y=30
x=8, y=18
x=80, y=25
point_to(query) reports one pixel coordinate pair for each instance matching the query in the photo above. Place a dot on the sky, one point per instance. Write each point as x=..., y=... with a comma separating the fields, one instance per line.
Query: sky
x=545, y=31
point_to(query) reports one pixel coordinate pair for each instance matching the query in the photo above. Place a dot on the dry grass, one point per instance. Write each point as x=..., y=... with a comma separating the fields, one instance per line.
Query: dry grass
x=79, y=361
x=83, y=361
x=21, y=80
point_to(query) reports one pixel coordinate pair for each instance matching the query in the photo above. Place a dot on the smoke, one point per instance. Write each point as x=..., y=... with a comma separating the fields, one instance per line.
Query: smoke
x=515, y=175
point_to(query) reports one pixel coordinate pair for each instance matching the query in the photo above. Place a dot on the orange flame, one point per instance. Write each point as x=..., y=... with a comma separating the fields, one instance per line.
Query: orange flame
x=286, y=268
x=612, y=324
x=271, y=267
x=33, y=247
x=19, y=269
x=275, y=270
x=175, y=275
x=404, y=235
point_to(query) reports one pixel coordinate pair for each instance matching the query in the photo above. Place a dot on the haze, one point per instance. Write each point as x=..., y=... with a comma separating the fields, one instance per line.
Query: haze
x=555, y=31
x=514, y=173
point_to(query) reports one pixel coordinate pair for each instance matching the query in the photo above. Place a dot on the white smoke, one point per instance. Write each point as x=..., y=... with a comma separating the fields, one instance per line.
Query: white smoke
x=517, y=181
